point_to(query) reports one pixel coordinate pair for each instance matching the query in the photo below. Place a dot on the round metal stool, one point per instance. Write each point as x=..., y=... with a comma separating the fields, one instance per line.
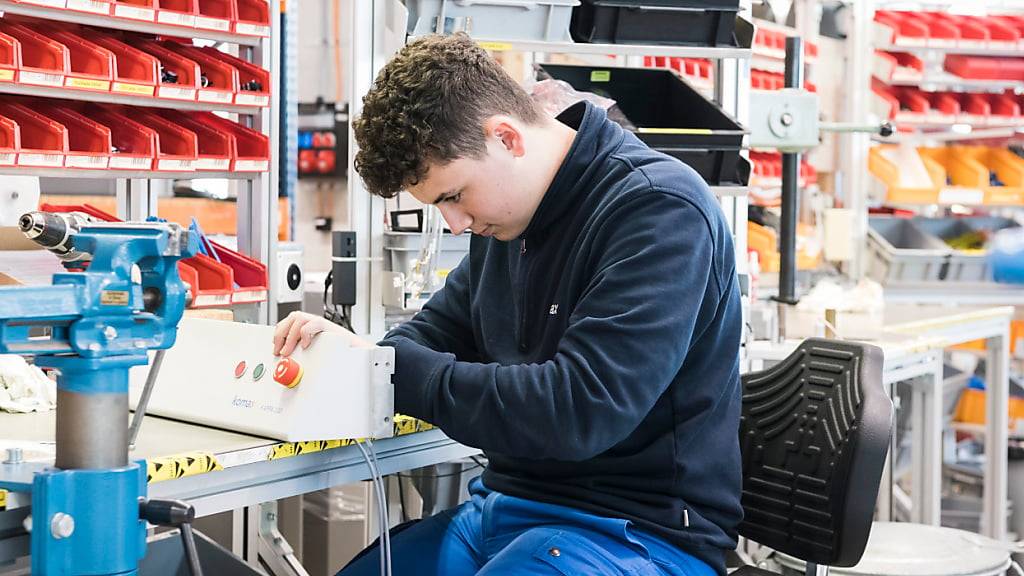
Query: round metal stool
x=904, y=549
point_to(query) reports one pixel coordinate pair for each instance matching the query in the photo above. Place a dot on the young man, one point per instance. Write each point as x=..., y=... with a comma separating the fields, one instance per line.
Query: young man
x=588, y=344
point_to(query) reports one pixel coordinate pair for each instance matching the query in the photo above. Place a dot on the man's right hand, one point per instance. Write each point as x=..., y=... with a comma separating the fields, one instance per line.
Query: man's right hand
x=300, y=328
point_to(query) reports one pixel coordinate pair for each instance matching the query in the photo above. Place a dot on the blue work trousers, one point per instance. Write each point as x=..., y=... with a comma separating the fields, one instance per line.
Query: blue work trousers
x=494, y=534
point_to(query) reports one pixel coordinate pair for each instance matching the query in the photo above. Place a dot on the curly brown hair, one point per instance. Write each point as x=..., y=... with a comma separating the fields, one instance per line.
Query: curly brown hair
x=428, y=105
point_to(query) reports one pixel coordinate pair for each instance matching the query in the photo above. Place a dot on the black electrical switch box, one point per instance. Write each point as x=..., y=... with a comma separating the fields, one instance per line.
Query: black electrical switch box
x=343, y=268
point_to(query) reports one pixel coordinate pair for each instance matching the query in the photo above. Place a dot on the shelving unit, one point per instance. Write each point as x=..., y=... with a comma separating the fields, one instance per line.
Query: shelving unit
x=252, y=178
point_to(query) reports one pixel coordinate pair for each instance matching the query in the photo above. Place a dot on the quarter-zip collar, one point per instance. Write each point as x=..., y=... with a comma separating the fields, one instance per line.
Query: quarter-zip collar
x=595, y=139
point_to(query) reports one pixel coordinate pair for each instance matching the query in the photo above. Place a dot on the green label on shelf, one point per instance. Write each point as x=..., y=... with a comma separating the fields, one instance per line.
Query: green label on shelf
x=601, y=76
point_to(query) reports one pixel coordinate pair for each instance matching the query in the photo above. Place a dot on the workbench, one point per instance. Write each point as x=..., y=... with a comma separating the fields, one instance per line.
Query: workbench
x=913, y=341
x=217, y=470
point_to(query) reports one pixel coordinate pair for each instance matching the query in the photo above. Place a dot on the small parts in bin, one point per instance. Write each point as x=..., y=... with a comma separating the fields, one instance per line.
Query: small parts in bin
x=252, y=86
x=167, y=76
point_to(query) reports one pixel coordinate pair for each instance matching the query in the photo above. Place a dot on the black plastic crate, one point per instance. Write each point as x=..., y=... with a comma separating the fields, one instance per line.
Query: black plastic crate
x=668, y=115
x=674, y=22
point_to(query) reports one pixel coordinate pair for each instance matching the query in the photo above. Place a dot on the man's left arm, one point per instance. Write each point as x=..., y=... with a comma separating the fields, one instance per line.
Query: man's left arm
x=628, y=337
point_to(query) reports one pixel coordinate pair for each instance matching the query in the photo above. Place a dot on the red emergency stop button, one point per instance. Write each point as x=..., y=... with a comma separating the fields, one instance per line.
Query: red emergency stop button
x=288, y=373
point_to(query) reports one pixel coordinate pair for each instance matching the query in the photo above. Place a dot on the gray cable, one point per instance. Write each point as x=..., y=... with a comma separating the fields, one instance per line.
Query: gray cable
x=376, y=464
x=147, y=391
x=385, y=540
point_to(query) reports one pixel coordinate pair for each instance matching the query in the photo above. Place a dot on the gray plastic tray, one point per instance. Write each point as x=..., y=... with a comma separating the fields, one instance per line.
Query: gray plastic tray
x=403, y=247
x=899, y=251
x=964, y=266
x=537, y=20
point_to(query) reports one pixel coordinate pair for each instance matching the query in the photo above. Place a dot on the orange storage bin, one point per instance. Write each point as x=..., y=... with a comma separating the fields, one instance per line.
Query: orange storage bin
x=253, y=18
x=135, y=9
x=177, y=147
x=101, y=7
x=134, y=145
x=10, y=58
x=970, y=408
x=186, y=71
x=44, y=142
x=252, y=148
x=10, y=141
x=221, y=77
x=89, y=142
x=253, y=81
x=216, y=147
x=177, y=12
x=91, y=66
x=217, y=15
x=44, y=62
x=211, y=281
x=135, y=72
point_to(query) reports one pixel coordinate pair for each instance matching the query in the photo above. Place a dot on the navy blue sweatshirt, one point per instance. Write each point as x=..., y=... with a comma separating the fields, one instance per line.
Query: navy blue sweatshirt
x=595, y=360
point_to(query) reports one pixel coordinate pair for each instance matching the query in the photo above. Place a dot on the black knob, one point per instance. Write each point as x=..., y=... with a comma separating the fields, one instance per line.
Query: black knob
x=166, y=512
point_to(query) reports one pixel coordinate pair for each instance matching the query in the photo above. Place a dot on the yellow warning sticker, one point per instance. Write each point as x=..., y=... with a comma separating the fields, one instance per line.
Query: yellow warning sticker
x=180, y=465
x=140, y=89
x=496, y=46
x=88, y=84
x=6, y=75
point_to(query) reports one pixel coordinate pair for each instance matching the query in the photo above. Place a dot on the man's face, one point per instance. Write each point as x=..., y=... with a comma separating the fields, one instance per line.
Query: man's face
x=487, y=195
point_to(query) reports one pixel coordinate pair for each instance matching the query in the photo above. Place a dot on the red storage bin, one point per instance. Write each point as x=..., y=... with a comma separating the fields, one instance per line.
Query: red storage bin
x=89, y=142
x=222, y=76
x=940, y=31
x=216, y=15
x=973, y=33
x=135, y=9
x=134, y=145
x=101, y=7
x=10, y=58
x=1009, y=22
x=177, y=12
x=88, y=209
x=44, y=142
x=135, y=72
x=187, y=71
x=252, y=148
x=216, y=147
x=886, y=98
x=44, y=62
x=10, y=141
x=1002, y=35
x=945, y=104
x=984, y=68
x=91, y=65
x=250, y=275
x=913, y=100
x=253, y=18
x=177, y=147
x=253, y=81
x=1004, y=105
x=211, y=281
x=906, y=31
x=976, y=108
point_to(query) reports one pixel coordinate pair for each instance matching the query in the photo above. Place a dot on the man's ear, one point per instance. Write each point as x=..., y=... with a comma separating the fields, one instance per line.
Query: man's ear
x=508, y=132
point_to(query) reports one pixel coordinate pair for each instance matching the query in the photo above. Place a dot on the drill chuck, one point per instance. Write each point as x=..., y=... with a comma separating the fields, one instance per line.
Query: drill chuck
x=54, y=231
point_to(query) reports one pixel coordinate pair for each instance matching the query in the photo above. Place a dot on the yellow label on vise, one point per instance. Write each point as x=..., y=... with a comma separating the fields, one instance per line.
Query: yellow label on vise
x=701, y=131
x=3, y=499
x=114, y=297
x=601, y=76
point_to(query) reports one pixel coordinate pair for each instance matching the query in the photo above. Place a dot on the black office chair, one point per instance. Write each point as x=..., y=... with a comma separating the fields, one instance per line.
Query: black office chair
x=814, y=434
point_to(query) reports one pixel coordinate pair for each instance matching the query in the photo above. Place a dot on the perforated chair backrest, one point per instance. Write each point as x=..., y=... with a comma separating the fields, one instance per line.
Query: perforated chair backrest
x=814, y=435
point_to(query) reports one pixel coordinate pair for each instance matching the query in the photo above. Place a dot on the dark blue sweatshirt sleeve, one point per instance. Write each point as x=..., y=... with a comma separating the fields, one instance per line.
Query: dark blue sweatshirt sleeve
x=443, y=324
x=627, y=338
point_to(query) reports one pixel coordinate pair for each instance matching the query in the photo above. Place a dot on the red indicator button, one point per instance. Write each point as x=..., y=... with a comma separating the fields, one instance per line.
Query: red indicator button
x=240, y=369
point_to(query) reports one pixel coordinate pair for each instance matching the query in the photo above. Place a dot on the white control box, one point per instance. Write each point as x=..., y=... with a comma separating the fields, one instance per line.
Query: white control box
x=225, y=375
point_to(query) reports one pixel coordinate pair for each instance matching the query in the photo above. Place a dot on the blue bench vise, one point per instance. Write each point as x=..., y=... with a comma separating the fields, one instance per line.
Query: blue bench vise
x=89, y=511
